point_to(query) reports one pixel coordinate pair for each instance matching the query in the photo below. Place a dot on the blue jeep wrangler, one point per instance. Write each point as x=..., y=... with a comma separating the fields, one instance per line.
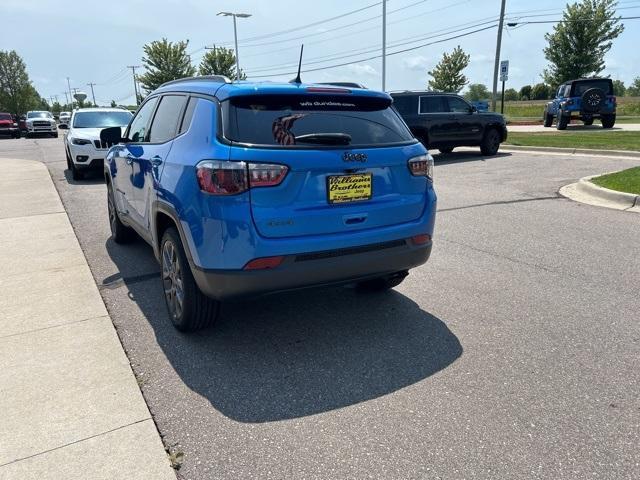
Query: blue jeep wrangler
x=585, y=99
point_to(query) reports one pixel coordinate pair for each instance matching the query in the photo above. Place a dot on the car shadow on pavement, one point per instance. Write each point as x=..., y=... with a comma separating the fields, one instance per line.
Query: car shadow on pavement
x=301, y=353
x=90, y=178
x=465, y=156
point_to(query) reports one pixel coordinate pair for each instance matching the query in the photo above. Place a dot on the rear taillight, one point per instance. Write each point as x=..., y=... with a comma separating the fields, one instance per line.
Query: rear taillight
x=266, y=174
x=264, y=263
x=421, y=166
x=222, y=178
x=421, y=239
x=230, y=178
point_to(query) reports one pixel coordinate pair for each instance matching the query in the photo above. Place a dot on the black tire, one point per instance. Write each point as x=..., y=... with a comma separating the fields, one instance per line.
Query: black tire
x=76, y=174
x=66, y=154
x=491, y=142
x=588, y=122
x=563, y=121
x=195, y=311
x=548, y=119
x=119, y=231
x=382, y=284
x=608, y=121
x=446, y=149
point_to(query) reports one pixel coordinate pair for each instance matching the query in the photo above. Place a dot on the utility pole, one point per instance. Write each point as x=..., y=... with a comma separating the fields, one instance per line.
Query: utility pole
x=135, y=83
x=66, y=96
x=93, y=94
x=497, y=62
x=70, y=96
x=384, y=45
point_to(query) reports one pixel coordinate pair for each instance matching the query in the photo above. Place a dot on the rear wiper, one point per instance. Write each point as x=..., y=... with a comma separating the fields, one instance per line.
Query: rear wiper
x=325, y=138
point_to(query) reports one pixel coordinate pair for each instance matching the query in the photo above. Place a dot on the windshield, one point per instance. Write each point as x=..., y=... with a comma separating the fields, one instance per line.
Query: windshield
x=5, y=116
x=38, y=115
x=117, y=118
x=313, y=120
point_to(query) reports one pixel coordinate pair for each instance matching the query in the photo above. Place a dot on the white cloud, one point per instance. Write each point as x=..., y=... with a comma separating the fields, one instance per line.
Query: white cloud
x=416, y=63
x=363, y=70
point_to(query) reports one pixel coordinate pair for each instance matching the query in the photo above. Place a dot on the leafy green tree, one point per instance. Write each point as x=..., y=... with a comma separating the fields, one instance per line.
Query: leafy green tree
x=477, y=91
x=17, y=95
x=525, y=92
x=540, y=91
x=165, y=61
x=447, y=76
x=578, y=44
x=619, y=90
x=56, y=108
x=634, y=88
x=220, y=61
x=511, y=95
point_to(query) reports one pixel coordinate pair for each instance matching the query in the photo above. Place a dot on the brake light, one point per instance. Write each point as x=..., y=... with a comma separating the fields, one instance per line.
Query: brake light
x=421, y=239
x=222, y=178
x=264, y=263
x=327, y=90
x=266, y=174
x=421, y=166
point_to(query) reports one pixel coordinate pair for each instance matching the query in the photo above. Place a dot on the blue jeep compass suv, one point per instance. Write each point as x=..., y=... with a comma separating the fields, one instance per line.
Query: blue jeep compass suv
x=250, y=188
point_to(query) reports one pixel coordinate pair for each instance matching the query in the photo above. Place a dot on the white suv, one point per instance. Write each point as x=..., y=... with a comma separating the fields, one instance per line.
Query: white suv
x=41, y=122
x=82, y=142
x=63, y=119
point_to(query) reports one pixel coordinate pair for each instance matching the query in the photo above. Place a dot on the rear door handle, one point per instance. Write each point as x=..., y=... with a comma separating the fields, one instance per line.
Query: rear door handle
x=156, y=160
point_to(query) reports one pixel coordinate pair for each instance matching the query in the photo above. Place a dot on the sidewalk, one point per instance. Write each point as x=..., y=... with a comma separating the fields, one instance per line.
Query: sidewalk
x=70, y=404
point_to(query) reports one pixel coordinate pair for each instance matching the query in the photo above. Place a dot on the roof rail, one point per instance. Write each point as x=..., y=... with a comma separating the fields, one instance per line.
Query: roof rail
x=202, y=78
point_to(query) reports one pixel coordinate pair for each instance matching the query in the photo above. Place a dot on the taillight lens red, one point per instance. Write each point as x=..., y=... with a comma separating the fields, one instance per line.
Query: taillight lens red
x=266, y=174
x=421, y=239
x=421, y=166
x=230, y=178
x=264, y=263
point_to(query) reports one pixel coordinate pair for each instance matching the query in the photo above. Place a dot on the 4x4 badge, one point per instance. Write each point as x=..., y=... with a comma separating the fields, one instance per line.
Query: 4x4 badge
x=354, y=157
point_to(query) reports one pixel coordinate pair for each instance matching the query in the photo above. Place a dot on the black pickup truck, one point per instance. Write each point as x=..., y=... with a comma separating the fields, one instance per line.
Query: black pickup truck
x=445, y=121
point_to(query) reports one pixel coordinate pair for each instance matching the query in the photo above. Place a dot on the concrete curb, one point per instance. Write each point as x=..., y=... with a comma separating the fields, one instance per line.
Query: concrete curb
x=572, y=151
x=72, y=406
x=585, y=191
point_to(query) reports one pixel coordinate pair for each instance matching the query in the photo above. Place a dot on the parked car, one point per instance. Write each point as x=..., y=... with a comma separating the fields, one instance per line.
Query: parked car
x=22, y=124
x=8, y=126
x=63, y=119
x=83, y=148
x=445, y=121
x=586, y=99
x=39, y=122
x=481, y=105
x=250, y=188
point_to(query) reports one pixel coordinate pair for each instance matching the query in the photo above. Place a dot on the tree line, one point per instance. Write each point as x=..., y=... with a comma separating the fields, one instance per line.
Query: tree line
x=576, y=49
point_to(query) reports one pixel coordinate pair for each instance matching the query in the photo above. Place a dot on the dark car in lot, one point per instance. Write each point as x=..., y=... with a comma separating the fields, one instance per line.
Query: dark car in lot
x=8, y=126
x=445, y=121
x=585, y=99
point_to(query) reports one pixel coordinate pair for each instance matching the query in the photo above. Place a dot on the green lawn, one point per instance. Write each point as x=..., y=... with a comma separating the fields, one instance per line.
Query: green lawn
x=589, y=139
x=624, y=181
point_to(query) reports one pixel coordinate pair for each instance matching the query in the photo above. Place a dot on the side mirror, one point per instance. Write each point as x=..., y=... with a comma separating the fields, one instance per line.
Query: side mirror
x=111, y=136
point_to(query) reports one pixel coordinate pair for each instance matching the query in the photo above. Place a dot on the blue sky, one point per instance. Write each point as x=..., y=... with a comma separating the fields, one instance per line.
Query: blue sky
x=93, y=40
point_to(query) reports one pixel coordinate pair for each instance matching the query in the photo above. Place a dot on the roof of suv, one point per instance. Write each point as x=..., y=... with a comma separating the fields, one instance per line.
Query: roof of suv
x=225, y=90
x=421, y=92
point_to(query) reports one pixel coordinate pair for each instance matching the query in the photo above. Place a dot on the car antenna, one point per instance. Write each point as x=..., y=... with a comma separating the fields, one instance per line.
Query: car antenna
x=298, y=79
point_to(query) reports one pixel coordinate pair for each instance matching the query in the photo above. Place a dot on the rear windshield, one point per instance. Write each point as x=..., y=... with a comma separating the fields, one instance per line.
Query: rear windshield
x=580, y=87
x=5, y=116
x=312, y=121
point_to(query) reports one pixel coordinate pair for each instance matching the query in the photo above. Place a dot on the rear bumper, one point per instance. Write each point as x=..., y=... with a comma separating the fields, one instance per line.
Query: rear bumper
x=313, y=270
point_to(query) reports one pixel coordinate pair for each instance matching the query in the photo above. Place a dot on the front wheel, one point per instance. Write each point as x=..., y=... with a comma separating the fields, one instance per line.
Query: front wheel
x=491, y=142
x=188, y=308
x=548, y=119
x=563, y=121
x=119, y=231
x=608, y=121
x=446, y=149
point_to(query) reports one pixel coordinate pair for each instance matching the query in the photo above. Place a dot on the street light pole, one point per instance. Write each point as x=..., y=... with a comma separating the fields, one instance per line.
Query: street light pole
x=235, y=35
x=70, y=96
x=497, y=62
x=384, y=45
x=135, y=84
x=91, y=84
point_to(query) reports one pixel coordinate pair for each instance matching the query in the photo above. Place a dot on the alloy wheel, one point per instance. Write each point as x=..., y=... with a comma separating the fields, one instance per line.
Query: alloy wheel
x=172, y=279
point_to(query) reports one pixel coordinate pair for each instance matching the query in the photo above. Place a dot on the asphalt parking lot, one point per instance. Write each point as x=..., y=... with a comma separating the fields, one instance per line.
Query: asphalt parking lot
x=513, y=353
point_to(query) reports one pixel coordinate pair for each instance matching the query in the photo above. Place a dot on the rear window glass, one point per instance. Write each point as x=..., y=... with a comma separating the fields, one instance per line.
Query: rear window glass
x=312, y=121
x=432, y=104
x=406, y=104
x=580, y=87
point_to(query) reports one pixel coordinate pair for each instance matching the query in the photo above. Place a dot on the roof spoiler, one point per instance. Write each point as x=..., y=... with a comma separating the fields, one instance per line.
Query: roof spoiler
x=201, y=78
